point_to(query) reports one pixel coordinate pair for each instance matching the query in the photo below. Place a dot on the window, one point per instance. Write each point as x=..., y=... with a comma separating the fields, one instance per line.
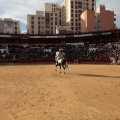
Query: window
x=71, y=6
x=32, y=17
x=32, y=26
x=15, y=23
x=32, y=31
x=15, y=28
x=32, y=22
x=71, y=15
x=47, y=20
x=39, y=31
x=72, y=24
x=38, y=27
x=47, y=26
x=55, y=22
x=47, y=15
x=9, y=25
x=38, y=18
x=55, y=18
x=80, y=3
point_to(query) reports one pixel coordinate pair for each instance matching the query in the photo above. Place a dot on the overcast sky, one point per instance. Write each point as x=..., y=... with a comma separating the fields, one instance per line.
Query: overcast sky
x=18, y=9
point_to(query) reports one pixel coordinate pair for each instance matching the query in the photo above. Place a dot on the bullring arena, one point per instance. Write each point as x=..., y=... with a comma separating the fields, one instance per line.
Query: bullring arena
x=38, y=92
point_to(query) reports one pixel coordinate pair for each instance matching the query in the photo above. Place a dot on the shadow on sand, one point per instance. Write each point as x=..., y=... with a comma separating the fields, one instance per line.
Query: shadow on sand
x=93, y=75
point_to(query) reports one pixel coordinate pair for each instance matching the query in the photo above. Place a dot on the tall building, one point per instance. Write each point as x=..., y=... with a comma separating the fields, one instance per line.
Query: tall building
x=88, y=21
x=53, y=8
x=44, y=22
x=99, y=20
x=71, y=11
x=8, y=25
x=104, y=19
x=1, y=25
x=88, y=5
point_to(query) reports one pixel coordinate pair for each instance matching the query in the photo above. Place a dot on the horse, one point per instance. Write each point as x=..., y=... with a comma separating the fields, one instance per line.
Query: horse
x=114, y=61
x=62, y=63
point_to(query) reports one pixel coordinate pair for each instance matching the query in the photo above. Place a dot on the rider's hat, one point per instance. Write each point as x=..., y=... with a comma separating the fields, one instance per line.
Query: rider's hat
x=61, y=49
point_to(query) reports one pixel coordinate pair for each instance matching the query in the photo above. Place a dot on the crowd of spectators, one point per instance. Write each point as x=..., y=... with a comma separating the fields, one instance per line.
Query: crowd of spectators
x=72, y=51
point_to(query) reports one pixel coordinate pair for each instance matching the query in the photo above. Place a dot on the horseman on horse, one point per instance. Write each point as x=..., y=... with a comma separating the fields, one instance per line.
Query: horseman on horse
x=115, y=59
x=60, y=60
x=59, y=55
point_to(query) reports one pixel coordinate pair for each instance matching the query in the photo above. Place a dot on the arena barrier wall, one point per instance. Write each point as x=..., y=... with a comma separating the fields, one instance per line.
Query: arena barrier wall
x=102, y=60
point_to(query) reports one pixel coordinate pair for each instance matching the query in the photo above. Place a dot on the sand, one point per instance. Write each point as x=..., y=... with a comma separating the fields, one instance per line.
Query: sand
x=38, y=92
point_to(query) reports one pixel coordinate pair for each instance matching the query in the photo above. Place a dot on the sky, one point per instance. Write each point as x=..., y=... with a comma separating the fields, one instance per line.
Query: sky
x=18, y=9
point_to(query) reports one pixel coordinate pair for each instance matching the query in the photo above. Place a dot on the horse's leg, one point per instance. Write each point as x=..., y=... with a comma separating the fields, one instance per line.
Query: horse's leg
x=56, y=67
x=60, y=68
x=114, y=63
x=63, y=68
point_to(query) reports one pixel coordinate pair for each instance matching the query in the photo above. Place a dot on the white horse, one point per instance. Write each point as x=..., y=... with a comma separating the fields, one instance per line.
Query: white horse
x=114, y=61
x=62, y=63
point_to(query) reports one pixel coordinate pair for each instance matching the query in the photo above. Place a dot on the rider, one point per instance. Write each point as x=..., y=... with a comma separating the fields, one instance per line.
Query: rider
x=60, y=54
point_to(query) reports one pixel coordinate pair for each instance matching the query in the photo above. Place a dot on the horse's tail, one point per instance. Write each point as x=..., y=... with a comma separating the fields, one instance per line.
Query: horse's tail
x=66, y=65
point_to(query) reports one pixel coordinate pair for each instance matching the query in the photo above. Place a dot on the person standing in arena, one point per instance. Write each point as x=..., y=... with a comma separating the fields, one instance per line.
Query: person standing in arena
x=116, y=57
x=14, y=59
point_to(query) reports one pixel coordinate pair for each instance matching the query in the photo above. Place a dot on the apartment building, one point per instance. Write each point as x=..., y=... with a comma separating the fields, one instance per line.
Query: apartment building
x=99, y=20
x=53, y=8
x=105, y=19
x=44, y=22
x=88, y=21
x=63, y=30
x=71, y=11
x=1, y=25
x=88, y=5
x=8, y=25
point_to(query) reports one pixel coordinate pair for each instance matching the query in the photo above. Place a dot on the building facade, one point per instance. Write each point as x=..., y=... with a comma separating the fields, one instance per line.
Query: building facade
x=44, y=22
x=88, y=21
x=63, y=30
x=97, y=21
x=53, y=8
x=104, y=19
x=71, y=11
x=8, y=25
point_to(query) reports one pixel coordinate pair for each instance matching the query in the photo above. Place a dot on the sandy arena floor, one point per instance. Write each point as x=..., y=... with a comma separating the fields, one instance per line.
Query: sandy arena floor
x=38, y=92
